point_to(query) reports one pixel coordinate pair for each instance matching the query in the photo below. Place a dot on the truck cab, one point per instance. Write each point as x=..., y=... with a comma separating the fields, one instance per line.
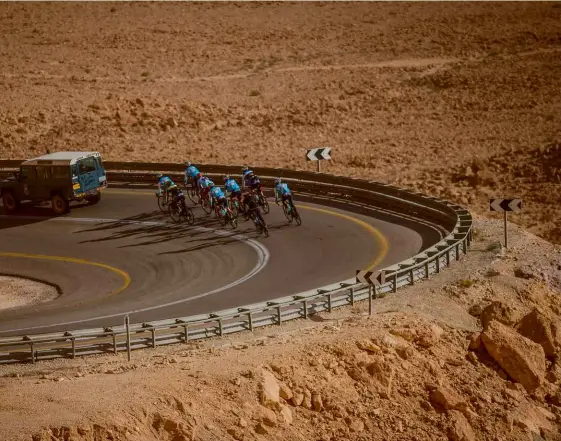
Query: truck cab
x=58, y=178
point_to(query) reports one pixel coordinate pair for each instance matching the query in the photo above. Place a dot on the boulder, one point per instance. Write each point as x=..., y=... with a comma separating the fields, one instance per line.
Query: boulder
x=429, y=336
x=383, y=372
x=460, y=429
x=497, y=311
x=538, y=328
x=298, y=398
x=405, y=333
x=369, y=346
x=317, y=402
x=269, y=390
x=475, y=342
x=286, y=414
x=475, y=310
x=267, y=416
x=522, y=359
x=285, y=392
x=445, y=398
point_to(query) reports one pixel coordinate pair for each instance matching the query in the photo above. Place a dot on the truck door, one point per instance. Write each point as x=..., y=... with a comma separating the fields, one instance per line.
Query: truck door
x=87, y=174
x=28, y=188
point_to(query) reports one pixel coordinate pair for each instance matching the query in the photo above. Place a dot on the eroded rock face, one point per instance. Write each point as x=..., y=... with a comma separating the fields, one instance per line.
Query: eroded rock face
x=269, y=390
x=522, y=359
x=461, y=429
x=539, y=328
x=497, y=311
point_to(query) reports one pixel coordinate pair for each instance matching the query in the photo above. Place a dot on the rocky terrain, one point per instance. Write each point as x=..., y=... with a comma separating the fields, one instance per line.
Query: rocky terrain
x=456, y=100
x=470, y=355
x=461, y=101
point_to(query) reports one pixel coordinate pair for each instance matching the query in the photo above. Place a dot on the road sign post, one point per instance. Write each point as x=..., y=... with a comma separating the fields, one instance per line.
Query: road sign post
x=318, y=154
x=504, y=206
x=127, y=325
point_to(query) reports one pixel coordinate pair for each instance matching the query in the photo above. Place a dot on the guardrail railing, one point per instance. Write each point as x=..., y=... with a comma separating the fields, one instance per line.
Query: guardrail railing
x=454, y=219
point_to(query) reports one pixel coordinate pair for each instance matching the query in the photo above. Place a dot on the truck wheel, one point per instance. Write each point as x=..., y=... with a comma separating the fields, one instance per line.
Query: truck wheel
x=94, y=199
x=59, y=204
x=10, y=202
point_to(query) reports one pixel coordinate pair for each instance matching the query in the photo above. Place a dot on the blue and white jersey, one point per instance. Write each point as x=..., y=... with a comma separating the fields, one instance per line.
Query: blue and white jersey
x=231, y=186
x=217, y=193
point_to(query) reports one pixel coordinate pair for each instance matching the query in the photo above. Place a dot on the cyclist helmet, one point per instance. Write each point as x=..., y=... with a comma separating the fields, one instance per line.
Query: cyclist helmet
x=227, y=178
x=277, y=181
x=245, y=168
x=210, y=183
x=159, y=175
x=188, y=163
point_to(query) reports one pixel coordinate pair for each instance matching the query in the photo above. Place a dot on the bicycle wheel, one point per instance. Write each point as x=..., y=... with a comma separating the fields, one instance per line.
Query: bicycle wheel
x=222, y=219
x=296, y=215
x=188, y=215
x=162, y=203
x=173, y=212
x=234, y=222
x=205, y=203
x=264, y=203
x=192, y=195
x=286, y=213
x=234, y=208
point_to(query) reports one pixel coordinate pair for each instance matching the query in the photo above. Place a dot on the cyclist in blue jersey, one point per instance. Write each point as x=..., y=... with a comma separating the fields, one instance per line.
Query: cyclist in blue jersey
x=218, y=195
x=282, y=192
x=167, y=187
x=192, y=173
x=246, y=172
x=205, y=183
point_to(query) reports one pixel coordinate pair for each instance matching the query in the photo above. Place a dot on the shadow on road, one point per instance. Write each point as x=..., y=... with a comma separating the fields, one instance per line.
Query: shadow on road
x=28, y=214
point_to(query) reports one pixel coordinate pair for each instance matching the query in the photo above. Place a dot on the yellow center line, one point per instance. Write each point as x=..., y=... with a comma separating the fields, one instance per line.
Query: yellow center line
x=121, y=273
x=380, y=238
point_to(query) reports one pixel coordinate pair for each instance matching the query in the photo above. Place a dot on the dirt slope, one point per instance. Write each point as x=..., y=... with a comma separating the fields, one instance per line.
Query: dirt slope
x=408, y=93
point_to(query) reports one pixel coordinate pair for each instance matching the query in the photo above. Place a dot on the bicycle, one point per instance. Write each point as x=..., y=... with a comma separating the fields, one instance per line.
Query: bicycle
x=206, y=203
x=262, y=200
x=163, y=200
x=179, y=211
x=225, y=216
x=193, y=193
x=234, y=206
x=260, y=224
x=291, y=212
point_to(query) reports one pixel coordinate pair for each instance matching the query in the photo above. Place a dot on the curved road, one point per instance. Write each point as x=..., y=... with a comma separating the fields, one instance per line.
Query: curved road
x=124, y=256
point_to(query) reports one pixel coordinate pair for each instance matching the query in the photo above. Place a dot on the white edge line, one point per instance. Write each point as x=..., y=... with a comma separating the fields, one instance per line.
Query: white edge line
x=262, y=260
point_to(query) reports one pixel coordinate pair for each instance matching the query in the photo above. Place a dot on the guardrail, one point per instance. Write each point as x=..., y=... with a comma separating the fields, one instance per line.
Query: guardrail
x=374, y=195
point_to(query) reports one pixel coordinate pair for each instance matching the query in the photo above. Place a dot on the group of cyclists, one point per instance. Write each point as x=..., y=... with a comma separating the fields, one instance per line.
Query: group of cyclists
x=249, y=199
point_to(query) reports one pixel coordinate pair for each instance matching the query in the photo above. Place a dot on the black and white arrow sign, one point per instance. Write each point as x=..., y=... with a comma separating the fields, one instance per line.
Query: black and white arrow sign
x=318, y=154
x=501, y=205
x=375, y=278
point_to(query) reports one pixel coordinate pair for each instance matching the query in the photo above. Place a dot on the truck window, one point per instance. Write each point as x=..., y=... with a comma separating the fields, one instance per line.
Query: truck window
x=99, y=163
x=28, y=172
x=87, y=165
x=61, y=172
x=44, y=172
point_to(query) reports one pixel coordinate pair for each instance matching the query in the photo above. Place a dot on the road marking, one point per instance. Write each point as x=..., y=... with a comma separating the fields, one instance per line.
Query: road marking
x=121, y=273
x=262, y=260
x=380, y=238
x=383, y=242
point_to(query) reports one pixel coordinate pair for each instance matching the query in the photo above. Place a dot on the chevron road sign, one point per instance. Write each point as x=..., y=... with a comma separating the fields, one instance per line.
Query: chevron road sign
x=503, y=206
x=318, y=154
x=500, y=205
x=375, y=278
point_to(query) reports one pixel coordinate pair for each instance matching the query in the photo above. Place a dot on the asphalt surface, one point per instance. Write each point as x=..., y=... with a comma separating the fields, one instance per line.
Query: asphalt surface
x=124, y=256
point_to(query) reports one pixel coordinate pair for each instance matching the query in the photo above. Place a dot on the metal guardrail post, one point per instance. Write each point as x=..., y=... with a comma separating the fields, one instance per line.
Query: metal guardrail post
x=115, y=344
x=426, y=270
x=186, y=333
x=352, y=293
x=437, y=263
x=73, y=347
x=305, y=306
x=32, y=353
x=457, y=251
x=394, y=289
x=412, y=275
x=127, y=325
x=250, y=321
x=220, y=331
x=329, y=305
x=279, y=316
x=370, y=298
x=447, y=258
x=153, y=337
x=464, y=245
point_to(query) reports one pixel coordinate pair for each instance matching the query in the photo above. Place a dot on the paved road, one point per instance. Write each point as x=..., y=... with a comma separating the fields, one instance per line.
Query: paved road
x=123, y=256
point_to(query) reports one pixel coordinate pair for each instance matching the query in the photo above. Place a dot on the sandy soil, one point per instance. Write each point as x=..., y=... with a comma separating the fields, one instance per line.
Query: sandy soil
x=457, y=100
x=461, y=100
x=418, y=337
x=16, y=292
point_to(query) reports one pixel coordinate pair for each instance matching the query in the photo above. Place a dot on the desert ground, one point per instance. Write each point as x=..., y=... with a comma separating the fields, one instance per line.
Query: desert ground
x=458, y=100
